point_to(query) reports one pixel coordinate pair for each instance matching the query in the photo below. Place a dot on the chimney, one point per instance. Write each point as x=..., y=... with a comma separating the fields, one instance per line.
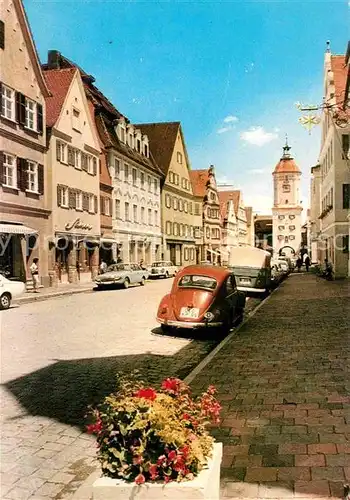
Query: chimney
x=53, y=59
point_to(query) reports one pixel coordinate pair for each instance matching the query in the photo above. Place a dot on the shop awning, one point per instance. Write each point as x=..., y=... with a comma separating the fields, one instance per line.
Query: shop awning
x=16, y=229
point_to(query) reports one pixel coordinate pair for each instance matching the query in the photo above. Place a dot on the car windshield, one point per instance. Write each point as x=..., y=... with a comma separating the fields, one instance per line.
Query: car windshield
x=116, y=267
x=159, y=264
x=194, y=281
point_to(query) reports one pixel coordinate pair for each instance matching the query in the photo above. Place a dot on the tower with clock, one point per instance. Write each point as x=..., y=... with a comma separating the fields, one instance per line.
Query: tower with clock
x=287, y=209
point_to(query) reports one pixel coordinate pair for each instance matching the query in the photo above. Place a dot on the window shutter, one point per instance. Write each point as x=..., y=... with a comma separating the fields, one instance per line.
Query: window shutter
x=70, y=156
x=21, y=108
x=39, y=110
x=110, y=206
x=22, y=174
x=102, y=212
x=58, y=195
x=94, y=166
x=41, y=178
x=2, y=173
x=74, y=198
x=58, y=151
x=2, y=35
x=96, y=204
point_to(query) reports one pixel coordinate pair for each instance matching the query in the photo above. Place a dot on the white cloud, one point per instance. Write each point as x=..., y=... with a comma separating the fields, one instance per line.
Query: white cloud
x=222, y=181
x=230, y=119
x=262, y=204
x=258, y=136
x=258, y=171
x=223, y=130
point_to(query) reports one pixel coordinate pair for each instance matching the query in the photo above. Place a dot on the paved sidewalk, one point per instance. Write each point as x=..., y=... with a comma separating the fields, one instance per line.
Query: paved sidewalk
x=48, y=293
x=284, y=385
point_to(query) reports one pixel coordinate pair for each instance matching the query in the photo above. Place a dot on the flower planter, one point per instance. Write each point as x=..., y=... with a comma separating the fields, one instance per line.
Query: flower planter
x=204, y=486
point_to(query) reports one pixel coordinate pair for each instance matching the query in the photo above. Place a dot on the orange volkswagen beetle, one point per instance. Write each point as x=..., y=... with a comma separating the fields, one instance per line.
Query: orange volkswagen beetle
x=202, y=296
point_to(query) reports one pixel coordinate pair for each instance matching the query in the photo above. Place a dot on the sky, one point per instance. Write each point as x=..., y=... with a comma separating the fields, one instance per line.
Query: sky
x=229, y=71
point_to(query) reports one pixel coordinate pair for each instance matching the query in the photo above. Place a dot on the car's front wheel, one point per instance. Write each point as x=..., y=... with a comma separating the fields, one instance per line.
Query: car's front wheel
x=126, y=283
x=5, y=301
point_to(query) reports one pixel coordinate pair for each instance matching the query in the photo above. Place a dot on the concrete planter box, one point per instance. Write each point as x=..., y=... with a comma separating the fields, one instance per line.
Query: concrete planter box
x=205, y=486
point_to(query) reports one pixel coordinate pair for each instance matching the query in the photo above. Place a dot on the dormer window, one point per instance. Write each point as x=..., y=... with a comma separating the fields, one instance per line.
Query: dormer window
x=144, y=146
x=131, y=140
x=138, y=145
x=121, y=131
x=145, y=150
x=122, y=134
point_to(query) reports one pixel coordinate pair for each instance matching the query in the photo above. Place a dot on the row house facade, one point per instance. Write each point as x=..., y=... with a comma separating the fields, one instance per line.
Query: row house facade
x=181, y=214
x=334, y=160
x=24, y=199
x=73, y=178
x=205, y=190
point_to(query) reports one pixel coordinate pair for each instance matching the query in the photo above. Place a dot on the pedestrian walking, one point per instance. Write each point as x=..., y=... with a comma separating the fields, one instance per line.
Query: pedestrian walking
x=34, y=269
x=307, y=263
x=299, y=263
x=103, y=267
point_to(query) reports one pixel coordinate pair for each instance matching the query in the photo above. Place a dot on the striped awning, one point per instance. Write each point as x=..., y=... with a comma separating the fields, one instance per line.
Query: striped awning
x=16, y=229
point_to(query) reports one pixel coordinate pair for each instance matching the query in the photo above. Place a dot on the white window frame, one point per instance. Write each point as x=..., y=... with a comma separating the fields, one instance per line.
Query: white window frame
x=134, y=176
x=134, y=213
x=33, y=177
x=150, y=217
x=31, y=115
x=64, y=197
x=91, y=204
x=63, y=152
x=127, y=211
x=79, y=201
x=8, y=103
x=126, y=168
x=142, y=180
x=12, y=166
x=117, y=208
x=117, y=167
x=179, y=157
x=156, y=218
x=143, y=211
x=107, y=206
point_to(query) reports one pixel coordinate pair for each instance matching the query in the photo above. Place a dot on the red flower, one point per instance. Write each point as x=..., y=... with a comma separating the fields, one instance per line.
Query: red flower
x=140, y=479
x=161, y=460
x=172, y=385
x=185, y=451
x=137, y=460
x=94, y=428
x=147, y=393
x=172, y=455
x=153, y=470
x=186, y=416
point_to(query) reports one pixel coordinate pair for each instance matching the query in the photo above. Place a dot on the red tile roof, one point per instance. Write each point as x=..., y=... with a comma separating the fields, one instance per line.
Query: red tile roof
x=58, y=82
x=225, y=197
x=286, y=166
x=199, y=180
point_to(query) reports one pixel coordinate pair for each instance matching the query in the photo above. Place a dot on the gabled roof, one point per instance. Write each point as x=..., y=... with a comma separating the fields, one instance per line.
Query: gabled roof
x=225, y=197
x=162, y=137
x=58, y=82
x=199, y=180
x=30, y=45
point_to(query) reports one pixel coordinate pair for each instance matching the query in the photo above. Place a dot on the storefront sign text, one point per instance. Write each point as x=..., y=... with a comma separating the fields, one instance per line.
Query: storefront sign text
x=77, y=224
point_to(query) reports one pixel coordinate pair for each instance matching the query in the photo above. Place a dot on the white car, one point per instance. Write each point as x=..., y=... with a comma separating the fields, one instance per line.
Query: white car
x=162, y=269
x=9, y=290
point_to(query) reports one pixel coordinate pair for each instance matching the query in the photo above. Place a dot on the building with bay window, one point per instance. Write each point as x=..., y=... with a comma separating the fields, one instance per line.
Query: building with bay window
x=205, y=190
x=24, y=200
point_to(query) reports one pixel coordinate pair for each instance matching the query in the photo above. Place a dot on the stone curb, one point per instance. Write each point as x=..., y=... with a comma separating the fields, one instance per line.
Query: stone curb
x=41, y=297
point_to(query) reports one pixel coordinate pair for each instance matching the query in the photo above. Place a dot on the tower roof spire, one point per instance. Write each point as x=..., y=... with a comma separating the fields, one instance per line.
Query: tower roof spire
x=286, y=149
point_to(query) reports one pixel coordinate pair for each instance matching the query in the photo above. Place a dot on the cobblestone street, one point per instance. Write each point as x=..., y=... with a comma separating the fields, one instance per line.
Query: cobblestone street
x=61, y=355
x=284, y=385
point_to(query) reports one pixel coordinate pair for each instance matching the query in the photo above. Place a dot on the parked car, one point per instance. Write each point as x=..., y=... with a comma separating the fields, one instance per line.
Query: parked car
x=252, y=268
x=284, y=265
x=8, y=290
x=123, y=275
x=162, y=269
x=288, y=261
x=277, y=274
x=202, y=297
